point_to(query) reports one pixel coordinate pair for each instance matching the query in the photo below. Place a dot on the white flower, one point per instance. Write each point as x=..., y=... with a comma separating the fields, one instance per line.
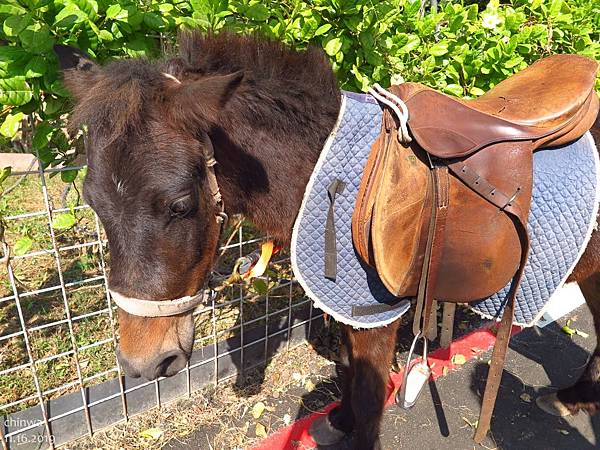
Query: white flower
x=490, y=20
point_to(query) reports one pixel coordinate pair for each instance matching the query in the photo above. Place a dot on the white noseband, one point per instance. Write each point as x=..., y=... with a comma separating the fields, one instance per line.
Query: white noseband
x=156, y=308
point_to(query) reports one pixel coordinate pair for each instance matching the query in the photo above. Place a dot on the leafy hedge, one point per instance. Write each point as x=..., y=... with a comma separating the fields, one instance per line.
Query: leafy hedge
x=458, y=49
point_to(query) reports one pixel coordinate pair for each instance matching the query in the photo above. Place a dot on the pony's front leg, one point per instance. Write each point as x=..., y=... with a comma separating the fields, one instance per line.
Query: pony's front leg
x=370, y=360
x=330, y=430
x=366, y=357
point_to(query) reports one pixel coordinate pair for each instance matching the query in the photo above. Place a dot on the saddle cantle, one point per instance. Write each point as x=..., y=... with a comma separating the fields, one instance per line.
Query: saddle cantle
x=444, y=217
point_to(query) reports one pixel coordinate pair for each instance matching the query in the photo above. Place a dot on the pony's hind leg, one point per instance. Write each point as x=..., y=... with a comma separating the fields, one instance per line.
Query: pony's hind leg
x=585, y=394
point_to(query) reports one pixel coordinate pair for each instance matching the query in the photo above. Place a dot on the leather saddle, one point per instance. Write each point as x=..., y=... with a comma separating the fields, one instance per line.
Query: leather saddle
x=444, y=217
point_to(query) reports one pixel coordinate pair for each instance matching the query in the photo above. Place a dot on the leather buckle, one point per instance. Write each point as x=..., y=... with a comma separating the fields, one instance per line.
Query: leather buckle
x=509, y=202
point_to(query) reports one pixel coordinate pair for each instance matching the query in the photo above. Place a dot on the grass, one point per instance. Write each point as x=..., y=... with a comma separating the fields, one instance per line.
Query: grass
x=41, y=272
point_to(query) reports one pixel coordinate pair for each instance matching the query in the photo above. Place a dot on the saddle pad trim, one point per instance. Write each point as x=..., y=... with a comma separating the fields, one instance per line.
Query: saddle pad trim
x=402, y=308
x=592, y=226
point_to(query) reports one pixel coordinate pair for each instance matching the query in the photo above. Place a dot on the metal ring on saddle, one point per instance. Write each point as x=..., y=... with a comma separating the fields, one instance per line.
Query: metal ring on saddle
x=397, y=105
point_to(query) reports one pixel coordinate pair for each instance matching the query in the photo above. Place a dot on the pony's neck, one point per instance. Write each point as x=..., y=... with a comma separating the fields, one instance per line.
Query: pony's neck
x=264, y=164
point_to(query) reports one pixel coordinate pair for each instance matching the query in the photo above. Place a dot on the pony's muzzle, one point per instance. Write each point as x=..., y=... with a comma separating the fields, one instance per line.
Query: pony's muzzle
x=164, y=365
x=127, y=367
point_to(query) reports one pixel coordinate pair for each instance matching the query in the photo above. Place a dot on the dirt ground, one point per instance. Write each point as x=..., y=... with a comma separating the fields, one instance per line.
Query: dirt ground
x=234, y=417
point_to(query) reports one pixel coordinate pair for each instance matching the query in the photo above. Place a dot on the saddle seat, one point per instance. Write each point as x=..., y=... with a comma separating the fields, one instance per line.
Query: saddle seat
x=544, y=101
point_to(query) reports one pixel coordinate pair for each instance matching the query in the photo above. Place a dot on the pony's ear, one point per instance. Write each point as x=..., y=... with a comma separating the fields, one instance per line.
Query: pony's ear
x=80, y=73
x=205, y=98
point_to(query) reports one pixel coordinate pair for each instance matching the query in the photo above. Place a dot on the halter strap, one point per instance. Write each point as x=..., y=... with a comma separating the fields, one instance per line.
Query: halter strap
x=158, y=308
x=213, y=185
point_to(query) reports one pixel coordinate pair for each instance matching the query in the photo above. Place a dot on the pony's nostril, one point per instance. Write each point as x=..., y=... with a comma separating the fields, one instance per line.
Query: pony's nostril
x=169, y=363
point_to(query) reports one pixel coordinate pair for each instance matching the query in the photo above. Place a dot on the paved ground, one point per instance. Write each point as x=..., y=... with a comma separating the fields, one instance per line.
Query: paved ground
x=538, y=358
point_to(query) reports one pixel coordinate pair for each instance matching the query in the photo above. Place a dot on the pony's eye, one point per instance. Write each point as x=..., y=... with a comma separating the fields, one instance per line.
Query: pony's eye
x=181, y=206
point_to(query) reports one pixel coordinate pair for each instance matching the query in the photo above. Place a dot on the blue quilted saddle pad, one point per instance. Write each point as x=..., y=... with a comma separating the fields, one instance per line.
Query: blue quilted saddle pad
x=563, y=212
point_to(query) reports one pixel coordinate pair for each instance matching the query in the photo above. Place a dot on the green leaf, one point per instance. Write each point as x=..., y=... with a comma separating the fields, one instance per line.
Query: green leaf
x=89, y=7
x=23, y=245
x=37, y=39
x=260, y=286
x=513, y=62
x=153, y=21
x=5, y=173
x=12, y=9
x=13, y=25
x=258, y=12
x=64, y=221
x=42, y=135
x=68, y=176
x=36, y=67
x=333, y=46
x=134, y=17
x=105, y=35
x=69, y=16
x=11, y=125
x=568, y=330
x=535, y=4
x=14, y=91
x=412, y=44
x=454, y=89
x=165, y=8
x=323, y=29
x=46, y=156
x=116, y=12
x=439, y=49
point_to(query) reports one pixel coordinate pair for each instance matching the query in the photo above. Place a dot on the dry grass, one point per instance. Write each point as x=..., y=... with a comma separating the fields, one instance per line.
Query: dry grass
x=221, y=418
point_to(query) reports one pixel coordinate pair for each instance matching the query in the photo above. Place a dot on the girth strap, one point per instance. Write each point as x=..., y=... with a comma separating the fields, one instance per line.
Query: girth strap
x=379, y=308
x=505, y=203
x=447, y=324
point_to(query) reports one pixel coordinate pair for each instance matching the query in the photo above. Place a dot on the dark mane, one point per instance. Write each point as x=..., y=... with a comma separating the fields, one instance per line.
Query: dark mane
x=280, y=83
x=285, y=90
x=261, y=59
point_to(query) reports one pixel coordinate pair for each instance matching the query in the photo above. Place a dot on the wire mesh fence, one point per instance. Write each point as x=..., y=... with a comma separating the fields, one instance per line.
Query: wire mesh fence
x=59, y=376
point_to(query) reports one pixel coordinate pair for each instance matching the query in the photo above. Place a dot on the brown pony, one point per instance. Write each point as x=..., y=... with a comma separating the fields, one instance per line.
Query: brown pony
x=267, y=111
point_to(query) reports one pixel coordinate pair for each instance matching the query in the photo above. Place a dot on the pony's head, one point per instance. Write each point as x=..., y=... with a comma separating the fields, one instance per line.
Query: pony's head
x=151, y=182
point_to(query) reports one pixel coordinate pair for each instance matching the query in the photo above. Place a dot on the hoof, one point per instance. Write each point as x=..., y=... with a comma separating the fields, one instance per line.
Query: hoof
x=324, y=433
x=552, y=405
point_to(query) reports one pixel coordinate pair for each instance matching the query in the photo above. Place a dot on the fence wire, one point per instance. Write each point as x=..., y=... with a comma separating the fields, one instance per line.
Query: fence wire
x=58, y=327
